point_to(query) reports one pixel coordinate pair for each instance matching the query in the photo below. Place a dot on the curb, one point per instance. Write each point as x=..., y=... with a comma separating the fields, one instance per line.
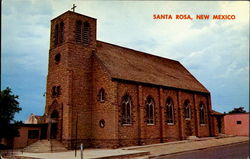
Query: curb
x=136, y=154
x=177, y=142
x=197, y=149
x=167, y=143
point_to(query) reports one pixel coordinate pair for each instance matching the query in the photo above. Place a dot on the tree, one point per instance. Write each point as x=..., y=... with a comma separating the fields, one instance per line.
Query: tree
x=237, y=110
x=8, y=107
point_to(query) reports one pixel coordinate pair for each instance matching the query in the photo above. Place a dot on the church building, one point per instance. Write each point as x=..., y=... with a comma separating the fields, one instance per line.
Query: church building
x=105, y=95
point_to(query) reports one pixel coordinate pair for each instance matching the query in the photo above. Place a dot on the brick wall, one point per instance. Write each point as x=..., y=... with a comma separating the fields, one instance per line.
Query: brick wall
x=81, y=75
x=73, y=74
x=237, y=124
x=22, y=140
x=104, y=110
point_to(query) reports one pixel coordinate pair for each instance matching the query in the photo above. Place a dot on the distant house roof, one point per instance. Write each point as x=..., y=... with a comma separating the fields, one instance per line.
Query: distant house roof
x=131, y=65
x=216, y=113
x=237, y=113
x=34, y=119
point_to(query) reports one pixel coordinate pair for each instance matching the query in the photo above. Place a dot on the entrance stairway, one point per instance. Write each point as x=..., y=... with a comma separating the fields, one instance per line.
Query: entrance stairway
x=45, y=146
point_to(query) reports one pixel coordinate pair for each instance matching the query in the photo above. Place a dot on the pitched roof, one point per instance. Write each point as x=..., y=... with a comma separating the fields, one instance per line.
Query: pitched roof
x=127, y=64
x=216, y=113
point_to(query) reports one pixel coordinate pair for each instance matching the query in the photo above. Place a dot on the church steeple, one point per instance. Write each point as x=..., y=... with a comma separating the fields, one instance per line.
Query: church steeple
x=69, y=80
x=74, y=28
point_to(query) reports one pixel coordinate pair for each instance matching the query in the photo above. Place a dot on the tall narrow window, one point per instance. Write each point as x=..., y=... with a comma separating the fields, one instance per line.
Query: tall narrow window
x=78, y=33
x=150, y=110
x=86, y=33
x=56, y=91
x=56, y=34
x=126, y=110
x=61, y=32
x=202, y=114
x=101, y=95
x=187, y=110
x=170, y=111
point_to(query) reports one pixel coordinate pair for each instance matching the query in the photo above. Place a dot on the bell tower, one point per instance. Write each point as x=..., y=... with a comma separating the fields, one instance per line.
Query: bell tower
x=69, y=80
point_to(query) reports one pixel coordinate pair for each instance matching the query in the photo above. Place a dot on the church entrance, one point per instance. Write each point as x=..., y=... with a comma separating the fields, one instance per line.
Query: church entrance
x=53, y=125
x=218, y=118
x=53, y=130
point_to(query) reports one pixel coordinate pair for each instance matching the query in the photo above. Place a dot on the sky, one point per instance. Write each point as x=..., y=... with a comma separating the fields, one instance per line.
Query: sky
x=216, y=52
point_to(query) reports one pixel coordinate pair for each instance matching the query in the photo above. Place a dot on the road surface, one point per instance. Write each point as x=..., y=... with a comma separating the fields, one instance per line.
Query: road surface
x=233, y=151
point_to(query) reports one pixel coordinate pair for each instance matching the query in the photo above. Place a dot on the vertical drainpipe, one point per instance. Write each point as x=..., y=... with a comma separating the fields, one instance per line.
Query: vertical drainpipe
x=138, y=115
x=180, y=115
x=61, y=123
x=118, y=116
x=160, y=114
x=209, y=111
x=196, y=116
x=141, y=129
x=70, y=105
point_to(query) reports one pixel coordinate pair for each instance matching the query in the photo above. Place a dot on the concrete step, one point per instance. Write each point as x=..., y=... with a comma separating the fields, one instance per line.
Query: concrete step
x=45, y=146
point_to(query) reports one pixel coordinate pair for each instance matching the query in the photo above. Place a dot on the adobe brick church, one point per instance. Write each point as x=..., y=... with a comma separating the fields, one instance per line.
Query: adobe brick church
x=104, y=95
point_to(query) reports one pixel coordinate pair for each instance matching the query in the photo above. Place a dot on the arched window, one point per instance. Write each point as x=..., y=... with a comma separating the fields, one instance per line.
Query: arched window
x=57, y=58
x=61, y=33
x=56, y=91
x=170, y=111
x=126, y=110
x=101, y=95
x=202, y=113
x=86, y=33
x=54, y=114
x=187, y=109
x=56, y=34
x=78, y=33
x=150, y=110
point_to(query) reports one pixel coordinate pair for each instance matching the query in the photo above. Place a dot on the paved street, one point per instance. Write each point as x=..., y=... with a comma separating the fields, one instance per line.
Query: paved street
x=233, y=151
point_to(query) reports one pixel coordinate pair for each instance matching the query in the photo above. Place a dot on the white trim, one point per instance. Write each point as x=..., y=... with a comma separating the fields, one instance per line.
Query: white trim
x=151, y=124
x=126, y=124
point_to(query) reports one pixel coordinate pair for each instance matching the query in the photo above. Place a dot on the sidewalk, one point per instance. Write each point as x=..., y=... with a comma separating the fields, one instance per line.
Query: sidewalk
x=140, y=151
x=189, y=145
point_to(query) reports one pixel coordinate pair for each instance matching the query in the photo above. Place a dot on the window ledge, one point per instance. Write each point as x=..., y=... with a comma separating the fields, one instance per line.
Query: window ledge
x=202, y=124
x=187, y=118
x=126, y=124
x=170, y=123
x=150, y=124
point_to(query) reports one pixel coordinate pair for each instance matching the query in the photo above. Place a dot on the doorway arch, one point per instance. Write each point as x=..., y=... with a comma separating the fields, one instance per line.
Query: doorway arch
x=54, y=117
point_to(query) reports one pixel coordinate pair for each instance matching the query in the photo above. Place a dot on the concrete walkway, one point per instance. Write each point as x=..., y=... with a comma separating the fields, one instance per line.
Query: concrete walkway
x=146, y=151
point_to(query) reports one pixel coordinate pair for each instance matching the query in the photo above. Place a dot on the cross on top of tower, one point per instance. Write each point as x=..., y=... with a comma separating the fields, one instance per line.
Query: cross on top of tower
x=73, y=8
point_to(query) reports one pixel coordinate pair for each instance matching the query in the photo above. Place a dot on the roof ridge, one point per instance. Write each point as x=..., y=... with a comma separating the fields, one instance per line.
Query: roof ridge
x=102, y=64
x=145, y=53
x=133, y=65
x=194, y=77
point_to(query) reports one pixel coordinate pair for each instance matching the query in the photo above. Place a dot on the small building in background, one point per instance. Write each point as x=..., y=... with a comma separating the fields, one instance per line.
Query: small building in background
x=28, y=134
x=218, y=126
x=237, y=124
x=34, y=119
x=31, y=131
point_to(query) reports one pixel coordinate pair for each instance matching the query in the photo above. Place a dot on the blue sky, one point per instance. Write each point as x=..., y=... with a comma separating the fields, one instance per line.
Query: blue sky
x=216, y=52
